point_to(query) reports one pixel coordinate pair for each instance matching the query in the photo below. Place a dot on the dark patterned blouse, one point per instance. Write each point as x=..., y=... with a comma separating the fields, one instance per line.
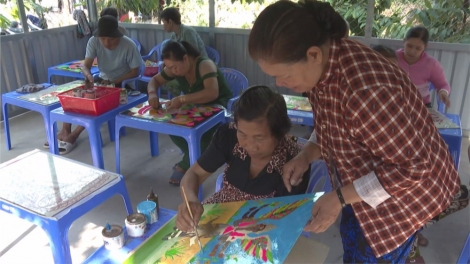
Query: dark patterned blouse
x=237, y=185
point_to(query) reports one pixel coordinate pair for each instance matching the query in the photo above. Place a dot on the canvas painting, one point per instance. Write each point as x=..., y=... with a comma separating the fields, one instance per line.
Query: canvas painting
x=49, y=96
x=261, y=231
x=189, y=115
x=75, y=66
x=440, y=120
x=297, y=103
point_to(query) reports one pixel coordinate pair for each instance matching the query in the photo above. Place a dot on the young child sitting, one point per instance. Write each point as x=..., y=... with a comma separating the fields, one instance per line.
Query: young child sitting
x=422, y=68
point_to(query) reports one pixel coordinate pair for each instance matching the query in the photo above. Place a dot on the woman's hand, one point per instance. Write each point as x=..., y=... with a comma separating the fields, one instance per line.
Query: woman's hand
x=444, y=97
x=154, y=102
x=325, y=211
x=294, y=170
x=174, y=103
x=183, y=218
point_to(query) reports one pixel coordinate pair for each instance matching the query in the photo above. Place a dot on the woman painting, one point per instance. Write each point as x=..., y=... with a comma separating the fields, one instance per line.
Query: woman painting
x=389, y=166
x=201, y=83
x=255, y=148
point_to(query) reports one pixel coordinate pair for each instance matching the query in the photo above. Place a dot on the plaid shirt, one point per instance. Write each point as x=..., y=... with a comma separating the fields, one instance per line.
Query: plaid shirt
x=371, y=119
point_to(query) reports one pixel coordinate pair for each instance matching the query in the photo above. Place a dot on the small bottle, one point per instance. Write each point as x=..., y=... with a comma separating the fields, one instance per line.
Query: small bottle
x=153, y=197
x=123, y=96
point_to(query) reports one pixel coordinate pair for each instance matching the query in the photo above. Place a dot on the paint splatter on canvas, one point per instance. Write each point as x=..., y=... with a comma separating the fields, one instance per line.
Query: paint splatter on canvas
x=262, y=231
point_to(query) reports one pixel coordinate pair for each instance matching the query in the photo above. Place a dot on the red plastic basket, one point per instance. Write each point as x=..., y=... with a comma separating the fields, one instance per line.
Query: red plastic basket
x=107, y=98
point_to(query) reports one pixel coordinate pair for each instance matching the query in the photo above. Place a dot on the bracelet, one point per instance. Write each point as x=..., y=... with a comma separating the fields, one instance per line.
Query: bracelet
x=340, y=197
x=182, y=99
x=152, y=92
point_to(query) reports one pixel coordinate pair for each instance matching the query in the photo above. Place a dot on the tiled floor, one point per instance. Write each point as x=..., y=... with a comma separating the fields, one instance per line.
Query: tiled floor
x=25, y=243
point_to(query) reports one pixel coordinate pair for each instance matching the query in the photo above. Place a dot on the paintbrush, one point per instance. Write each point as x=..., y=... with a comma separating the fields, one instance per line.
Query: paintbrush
x=192, y=218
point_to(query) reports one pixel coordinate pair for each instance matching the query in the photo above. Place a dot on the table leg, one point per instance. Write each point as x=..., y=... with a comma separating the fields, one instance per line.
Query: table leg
x=47, y=124
x=58, y=241
x=53, y=144
x=194, y=145
x=111, y=128
x=6, y=124
x=96, y=145
x=118, y=149
x=153, y=143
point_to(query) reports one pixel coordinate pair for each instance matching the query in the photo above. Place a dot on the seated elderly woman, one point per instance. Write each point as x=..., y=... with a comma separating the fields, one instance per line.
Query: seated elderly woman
x=201, y=82
x=255, y=148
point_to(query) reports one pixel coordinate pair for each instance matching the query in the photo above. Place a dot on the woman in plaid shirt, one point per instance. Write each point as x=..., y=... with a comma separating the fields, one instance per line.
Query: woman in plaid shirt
x=390, y=168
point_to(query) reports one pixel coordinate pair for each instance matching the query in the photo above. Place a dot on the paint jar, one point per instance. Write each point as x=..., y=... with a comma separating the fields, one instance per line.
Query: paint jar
x=135, y=225
x=123, y=96
x=78, y=92
x=113, y=238
x=90, y=94
x=149, y=209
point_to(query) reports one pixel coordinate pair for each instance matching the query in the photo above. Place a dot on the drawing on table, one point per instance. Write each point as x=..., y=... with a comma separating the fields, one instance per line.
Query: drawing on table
x=47, y=184
x=258, y=231
x=440, y=120
x=49, y=96
x=189, y=115
x=75, y=66
x=297, y=103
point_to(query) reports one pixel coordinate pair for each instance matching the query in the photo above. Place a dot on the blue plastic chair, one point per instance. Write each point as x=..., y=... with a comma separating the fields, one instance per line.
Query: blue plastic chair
x=237, y=83
x=137, y=43
x=135, y=79
x=157, y=50
x=465, y=254
x=213, y=54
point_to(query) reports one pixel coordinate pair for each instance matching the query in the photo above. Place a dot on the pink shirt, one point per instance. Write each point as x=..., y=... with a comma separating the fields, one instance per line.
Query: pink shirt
x=426, y=70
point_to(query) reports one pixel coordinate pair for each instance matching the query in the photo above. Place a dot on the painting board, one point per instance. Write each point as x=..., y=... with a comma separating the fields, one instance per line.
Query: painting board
x=49, y=96
x=440, y=120
x=297, y=103
x=258, y=231
x=189, y=115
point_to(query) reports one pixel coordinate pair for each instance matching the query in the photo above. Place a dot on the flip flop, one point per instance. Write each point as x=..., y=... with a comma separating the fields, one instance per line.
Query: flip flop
x=175, y=178
x=65, y=147
x=46, y=145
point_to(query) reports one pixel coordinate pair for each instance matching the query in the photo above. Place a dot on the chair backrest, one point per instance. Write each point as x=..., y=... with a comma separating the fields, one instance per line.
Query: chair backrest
x=137, y=43
x=318, y=170
x=236, y=80
x=219, y=182
x=213, y=54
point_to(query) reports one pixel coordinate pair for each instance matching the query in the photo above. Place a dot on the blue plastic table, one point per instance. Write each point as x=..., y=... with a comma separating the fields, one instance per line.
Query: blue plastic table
x=453, y=138
x=52, y=192
x=192, y=135
x=56, y=71
x=92, y=125
x=102, y=255
x=12, y=98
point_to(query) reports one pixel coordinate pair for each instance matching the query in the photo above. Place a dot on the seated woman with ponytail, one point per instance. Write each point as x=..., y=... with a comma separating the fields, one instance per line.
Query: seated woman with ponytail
x=201, y=82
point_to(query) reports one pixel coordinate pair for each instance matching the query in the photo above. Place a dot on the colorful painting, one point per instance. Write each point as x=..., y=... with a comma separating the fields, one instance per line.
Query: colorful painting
x=75, y=66
x=440, y=120
x=261, y=231
x=189, y=115
x=297, y=103
x=49, y=96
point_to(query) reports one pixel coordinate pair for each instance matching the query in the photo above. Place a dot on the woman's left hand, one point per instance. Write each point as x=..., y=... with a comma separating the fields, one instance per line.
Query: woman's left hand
x=174, y=103
x=325, y=211
x=444, y=97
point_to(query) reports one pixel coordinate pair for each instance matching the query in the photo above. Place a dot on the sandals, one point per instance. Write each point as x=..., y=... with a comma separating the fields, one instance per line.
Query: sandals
x=175, y=178
x=30, y=88
x=65, y=147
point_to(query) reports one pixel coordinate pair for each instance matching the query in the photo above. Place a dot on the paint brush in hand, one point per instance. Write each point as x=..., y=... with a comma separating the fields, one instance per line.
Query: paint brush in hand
x=192, y=218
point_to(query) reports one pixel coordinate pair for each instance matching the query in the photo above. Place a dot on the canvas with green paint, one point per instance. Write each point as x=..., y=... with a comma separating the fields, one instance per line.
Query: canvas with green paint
x=261, y=231
x=297, y=103
x=49, y=96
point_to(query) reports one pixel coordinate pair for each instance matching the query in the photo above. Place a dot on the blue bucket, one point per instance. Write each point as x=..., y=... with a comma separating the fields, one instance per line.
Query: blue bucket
x=149, y=209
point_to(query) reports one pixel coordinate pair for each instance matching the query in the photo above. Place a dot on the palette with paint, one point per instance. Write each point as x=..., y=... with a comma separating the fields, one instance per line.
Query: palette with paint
x=188, y=115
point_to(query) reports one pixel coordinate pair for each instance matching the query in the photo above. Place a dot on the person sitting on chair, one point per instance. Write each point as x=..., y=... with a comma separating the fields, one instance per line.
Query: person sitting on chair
x=255, y=148
x=118, y=60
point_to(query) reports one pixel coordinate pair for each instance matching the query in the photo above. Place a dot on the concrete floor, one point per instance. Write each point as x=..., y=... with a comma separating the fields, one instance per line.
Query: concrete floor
x=27, y=244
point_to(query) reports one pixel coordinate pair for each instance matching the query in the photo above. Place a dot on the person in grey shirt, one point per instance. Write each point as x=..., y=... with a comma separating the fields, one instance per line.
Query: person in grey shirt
x=171, y=19
x=118, y=60
x=111, y=11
